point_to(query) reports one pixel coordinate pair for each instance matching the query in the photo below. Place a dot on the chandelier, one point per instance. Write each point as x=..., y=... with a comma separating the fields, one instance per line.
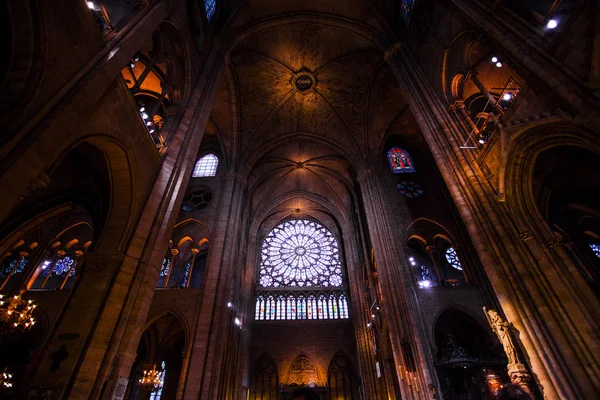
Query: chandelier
x=152, y=380
x=17, y=312
x=5, y=380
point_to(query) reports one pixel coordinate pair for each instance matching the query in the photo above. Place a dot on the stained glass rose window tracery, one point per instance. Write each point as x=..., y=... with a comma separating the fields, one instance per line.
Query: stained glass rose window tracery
x=300, y=253
x=300, y=274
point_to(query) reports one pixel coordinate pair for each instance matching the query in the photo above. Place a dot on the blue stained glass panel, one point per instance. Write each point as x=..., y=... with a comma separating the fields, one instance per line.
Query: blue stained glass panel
x=210, y=6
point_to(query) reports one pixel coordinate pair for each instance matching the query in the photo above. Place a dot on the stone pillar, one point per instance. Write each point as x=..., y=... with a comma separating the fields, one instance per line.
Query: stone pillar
x=400, y=307
x=555, y=321
x=195, y=252
x=372, y=386
x=214, y=328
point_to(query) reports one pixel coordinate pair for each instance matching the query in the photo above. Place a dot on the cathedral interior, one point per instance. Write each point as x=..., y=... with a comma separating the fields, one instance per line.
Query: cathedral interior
x=232, y=199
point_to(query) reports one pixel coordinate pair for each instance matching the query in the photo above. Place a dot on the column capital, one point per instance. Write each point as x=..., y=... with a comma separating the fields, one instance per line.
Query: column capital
x=195, y=250
x=174, y=252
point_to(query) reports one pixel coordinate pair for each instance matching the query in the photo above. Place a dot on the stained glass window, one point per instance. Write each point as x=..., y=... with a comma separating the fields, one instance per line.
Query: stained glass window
x=596, y=249
x=452, y=258
x=300, y=253
x=210, y=6
x=343, y=307
x=400, y=161
x=410, y=189
x=206, y=166
x=63, y=266
x=164, y=270
x=260, y=308
x=158, y=394
x=16, y=266
x=406, y=8
x=301, y=268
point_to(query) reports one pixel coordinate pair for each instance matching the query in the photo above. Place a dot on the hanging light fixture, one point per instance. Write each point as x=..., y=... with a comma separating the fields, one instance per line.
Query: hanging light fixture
x=152, y=380
x=5, y=380
x=17, y=312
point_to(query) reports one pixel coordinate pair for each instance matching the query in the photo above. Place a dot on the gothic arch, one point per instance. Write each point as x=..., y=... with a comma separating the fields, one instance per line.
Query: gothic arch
x=170, y=310
x=265, y=379
x=522, y=152
x=303, y=372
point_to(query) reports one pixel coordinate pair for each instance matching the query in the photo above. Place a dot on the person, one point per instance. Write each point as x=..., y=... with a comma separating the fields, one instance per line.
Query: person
x=512, y=392
x=305, y=394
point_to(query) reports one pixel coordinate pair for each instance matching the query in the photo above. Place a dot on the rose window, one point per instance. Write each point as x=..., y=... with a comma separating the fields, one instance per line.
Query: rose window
x=300, y=253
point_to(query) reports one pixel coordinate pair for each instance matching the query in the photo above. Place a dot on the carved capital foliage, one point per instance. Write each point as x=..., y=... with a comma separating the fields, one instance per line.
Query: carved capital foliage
x=102, y=262
x=553, y=244
x=526, y=235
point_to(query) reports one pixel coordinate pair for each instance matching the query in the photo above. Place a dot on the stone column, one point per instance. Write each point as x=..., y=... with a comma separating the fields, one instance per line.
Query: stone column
x=213, y=326
x=555, y=321
x=399, y=308
x=371, y=385
x=195, y=252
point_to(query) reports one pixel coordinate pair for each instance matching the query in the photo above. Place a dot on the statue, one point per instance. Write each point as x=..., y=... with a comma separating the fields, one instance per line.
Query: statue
x=502, y=330
x=516, y=370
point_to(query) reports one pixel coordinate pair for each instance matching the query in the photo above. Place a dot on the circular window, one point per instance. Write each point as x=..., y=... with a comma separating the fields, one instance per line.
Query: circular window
x=410, y=189
x=300, y=253
x=196, y=199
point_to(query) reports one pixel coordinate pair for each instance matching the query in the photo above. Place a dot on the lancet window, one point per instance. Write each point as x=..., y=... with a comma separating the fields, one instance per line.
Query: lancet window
x=400, y=161
x=300, y=274
x=210, y=6
x=206, y=166
x=452, y=258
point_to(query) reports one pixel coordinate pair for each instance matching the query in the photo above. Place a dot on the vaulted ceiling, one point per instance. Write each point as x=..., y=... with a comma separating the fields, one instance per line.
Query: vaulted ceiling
x=300, y=148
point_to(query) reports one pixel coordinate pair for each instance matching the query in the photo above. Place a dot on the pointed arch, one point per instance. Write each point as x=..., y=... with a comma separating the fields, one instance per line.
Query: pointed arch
x=265, y=379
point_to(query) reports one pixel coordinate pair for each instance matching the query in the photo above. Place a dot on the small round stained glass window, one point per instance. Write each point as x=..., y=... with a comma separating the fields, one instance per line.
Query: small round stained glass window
x=300, y=253
x=452, y=258
x=196, y=199
x=410, y=189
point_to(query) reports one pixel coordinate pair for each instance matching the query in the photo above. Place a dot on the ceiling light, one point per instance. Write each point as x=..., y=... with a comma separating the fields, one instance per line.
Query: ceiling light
x=142, y=109
x=494, y=59
x=229, y=305
x=498, y=64
x=411, y=259
x=552, y=24
x=507, y=97
x=132, y=64
x=413, y=263
x=481, y=141
x=90, y=5
x=148, y=123
x=145, y=116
